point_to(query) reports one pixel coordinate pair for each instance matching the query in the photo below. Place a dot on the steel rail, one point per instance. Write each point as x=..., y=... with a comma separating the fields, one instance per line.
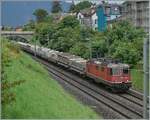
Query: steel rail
x=119, y=111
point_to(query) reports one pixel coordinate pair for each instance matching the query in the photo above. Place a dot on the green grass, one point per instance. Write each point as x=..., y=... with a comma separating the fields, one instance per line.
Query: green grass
x=40, y=96
x=137, y=79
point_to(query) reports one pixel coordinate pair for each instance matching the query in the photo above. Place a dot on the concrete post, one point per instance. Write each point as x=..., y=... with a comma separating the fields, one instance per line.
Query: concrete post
x=35, y=46
x=146, y=78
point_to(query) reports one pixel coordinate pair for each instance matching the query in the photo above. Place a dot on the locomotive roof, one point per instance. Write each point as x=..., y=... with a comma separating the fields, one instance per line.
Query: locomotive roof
x=109, y=62
x=117, y=65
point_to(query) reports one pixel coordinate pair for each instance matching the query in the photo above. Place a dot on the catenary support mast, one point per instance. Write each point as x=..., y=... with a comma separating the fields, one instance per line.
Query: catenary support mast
x=146, y=78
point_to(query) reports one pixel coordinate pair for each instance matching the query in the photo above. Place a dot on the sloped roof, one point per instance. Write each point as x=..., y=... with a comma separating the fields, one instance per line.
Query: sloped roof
x=88, y=11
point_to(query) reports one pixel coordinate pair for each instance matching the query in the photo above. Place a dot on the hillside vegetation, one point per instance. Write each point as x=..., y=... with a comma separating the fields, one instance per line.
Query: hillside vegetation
x=137, y=79
x=122, y=41
x=38, y=96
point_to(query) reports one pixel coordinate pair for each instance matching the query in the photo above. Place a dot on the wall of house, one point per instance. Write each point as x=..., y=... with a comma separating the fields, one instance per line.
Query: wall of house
x=80, y=17
x=94, y=21
x=101, y=19
x=89, y=21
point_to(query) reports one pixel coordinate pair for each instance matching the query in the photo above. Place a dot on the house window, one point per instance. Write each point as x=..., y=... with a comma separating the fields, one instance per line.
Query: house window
x=107, y=11
x=79, y=16
x=95, y=21
x=96, y=28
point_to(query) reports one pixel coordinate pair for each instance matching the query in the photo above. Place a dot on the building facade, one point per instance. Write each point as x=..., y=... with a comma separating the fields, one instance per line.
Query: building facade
x=98, y=16
x=107, y=12
x=137, y=12
x=88, y=18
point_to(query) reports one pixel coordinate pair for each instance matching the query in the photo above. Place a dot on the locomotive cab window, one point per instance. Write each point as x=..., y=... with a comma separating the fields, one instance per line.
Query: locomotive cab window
x=114, y=71
x=111, y=73
x=125, y=71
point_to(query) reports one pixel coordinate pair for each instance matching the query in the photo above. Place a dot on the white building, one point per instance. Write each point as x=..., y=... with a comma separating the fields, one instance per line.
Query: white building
x=88, y=17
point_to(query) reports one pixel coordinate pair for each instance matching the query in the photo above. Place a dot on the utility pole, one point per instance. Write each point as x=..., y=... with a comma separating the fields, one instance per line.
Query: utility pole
x=48, y=39
x=146, y=78
x=90, y=47
x=35, y=46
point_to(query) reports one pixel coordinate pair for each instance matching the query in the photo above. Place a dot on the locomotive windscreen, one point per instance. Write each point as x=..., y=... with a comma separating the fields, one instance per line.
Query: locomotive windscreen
x=118, y=71
x=114, y=71
x=125, y=70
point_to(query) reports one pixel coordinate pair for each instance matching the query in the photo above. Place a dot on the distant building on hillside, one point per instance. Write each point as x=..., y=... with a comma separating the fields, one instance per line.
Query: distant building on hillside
x=137, y=12
x=107, y=12
x=97, y=16
x=88, y=17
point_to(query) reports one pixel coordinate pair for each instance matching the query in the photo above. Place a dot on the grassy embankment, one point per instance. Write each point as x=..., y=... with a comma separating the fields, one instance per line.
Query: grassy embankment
x=39, y=96
x=137, y=79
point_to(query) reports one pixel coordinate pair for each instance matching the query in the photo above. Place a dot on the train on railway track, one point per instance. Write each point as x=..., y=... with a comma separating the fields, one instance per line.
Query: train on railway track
x=113, y=74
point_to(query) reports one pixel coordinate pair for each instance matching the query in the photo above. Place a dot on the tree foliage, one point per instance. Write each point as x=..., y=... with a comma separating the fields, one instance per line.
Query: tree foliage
x=29, y=26
x=125, y=42
x=40, y=14
x=56, y=8
x=43, y=32
x=80, y=6
x=69, y=21
x=122, y=41
x=80, y=49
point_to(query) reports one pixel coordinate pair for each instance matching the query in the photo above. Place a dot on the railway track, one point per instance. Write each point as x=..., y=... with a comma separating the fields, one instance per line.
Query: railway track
x=127, y=105
x=135, y=94
x=132, y=99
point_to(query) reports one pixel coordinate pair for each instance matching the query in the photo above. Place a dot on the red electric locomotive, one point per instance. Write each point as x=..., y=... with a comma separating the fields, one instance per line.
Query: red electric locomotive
x=111, y=73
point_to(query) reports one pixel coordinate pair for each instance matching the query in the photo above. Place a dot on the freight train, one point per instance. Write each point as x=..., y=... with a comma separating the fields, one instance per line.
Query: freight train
x=110, y=73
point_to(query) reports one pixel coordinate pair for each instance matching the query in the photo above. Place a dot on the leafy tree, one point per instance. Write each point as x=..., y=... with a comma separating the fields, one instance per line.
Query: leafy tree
x=124, y=41
x=56, y=8
x=99, y=48
x=40, y=14
x=80, y=49
x=29, y=26
x=72, y=8
x=80, y=6
x=62, y=41
x=127, y=53
x=69, y=21
x=86, y=33
x=49, y=19
x=41, y=33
